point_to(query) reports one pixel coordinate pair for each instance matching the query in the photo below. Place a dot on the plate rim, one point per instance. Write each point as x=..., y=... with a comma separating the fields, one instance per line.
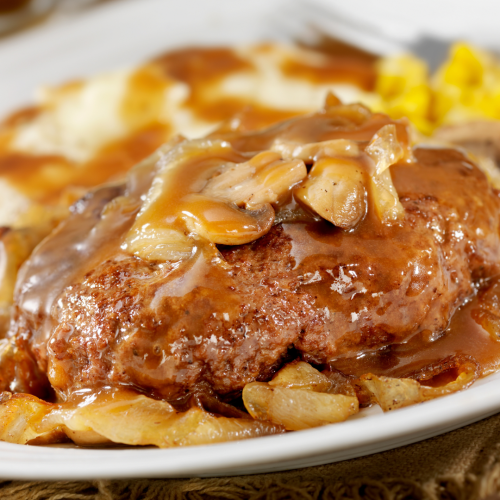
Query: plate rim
x=367, y=435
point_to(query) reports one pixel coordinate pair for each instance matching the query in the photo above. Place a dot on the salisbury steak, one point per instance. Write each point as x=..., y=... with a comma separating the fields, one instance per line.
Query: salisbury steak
x=89, y=313
x=305, y=287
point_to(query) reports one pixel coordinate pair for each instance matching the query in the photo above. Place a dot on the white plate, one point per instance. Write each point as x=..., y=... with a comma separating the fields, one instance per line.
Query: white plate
x=123, y=33
x=371, y=432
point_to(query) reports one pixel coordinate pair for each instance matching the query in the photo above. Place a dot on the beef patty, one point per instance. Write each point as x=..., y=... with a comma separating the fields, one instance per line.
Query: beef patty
x=89, y=314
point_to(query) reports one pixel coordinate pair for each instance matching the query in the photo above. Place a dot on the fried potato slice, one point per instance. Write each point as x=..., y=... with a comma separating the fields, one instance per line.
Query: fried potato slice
x=297, y=409
x=392, y=393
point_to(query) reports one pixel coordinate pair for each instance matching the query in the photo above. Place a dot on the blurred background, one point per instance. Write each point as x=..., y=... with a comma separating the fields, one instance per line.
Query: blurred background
x=51, y=41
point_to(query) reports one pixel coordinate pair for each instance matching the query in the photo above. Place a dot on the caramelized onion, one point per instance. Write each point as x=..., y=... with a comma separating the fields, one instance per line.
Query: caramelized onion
x=205, y=188
x=120, y=416
x=19, y=414
x=385, y=198
x=298, y=398
x=316, y=150
x=297, y=409
x=301, y=375
x=392, y=393
x=384, y=149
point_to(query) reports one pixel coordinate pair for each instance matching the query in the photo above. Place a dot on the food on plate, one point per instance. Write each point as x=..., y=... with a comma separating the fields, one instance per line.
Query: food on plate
x=270, y=263
x=91, y=131
x=87, y=132
x=253, y=282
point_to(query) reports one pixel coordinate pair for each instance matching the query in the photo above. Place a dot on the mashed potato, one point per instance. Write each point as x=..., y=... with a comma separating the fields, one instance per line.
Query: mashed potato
x=188, y=92
x=87, y=132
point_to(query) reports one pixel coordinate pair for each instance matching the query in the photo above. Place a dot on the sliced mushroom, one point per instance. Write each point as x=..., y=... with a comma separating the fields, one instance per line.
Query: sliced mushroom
x=205, y=190
x=226, y=224
x=263, y=179
x=335, y=190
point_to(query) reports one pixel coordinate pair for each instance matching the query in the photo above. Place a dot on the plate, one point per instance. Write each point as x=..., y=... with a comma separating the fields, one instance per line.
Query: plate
x=123, y=33
x=370, y=432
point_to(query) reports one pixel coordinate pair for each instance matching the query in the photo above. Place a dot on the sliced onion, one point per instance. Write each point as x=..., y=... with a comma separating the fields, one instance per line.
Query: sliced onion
x=316, y=150
x=392, y=393
x=19, y=414
x=120, y=416
x=386, y=199
x=157, y=243
x=301, y=375
x=384, y=149
x=297, y=409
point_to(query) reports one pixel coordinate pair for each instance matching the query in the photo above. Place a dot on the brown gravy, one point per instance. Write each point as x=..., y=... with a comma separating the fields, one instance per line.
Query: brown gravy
x=366, y=288
x=46, y=178
x=91, y=242
x=464, y=338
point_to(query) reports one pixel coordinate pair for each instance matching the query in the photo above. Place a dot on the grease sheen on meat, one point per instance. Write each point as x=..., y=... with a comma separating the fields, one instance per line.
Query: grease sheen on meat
x=306, y=289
